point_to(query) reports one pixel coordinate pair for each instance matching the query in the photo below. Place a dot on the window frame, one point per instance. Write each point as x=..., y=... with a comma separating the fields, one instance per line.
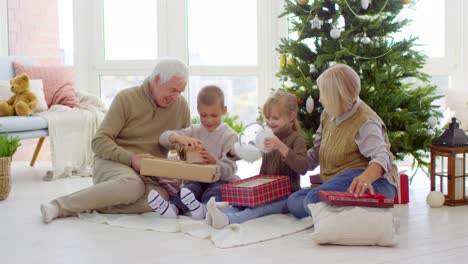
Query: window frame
x=173, y=42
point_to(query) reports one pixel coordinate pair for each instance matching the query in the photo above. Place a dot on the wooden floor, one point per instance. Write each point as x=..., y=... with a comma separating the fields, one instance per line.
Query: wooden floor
x=427, y=235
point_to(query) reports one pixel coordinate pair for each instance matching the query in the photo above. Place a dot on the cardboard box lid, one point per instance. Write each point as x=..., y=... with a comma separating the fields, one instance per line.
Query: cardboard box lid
x=176, y=169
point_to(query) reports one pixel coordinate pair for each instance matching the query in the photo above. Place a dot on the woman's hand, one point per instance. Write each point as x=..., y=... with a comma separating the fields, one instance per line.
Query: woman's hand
x=363, y=182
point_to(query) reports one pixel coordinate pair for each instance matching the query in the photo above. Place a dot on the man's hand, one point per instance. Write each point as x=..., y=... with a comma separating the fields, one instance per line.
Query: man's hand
x=136, y=160
x=207, y=158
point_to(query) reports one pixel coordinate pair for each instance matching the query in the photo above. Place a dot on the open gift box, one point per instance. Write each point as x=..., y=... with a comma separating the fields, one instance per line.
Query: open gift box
x=181, y=170
x=256, y=190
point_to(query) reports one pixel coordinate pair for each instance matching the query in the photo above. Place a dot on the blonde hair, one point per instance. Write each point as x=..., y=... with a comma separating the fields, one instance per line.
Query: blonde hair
x=210, y=95
x=286, y=103
x=339, y=87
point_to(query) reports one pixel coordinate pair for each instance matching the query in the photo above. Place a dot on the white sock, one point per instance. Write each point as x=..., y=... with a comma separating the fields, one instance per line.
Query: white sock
x=161, y=206
x=221, y=206
x=197, y=209
x=218, y=218
x=49, y=212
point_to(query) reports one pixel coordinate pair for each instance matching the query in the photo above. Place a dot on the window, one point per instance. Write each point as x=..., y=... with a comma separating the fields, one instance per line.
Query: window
x=216, y=35
x=224, y=42
x=130, y=30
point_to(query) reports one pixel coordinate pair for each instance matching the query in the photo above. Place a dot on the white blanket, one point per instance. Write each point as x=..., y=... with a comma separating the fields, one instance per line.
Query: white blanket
x=70, y=133
x=253, y=231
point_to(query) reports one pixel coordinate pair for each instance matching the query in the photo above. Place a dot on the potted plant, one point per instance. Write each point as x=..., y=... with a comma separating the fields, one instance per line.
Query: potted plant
x=8, y=146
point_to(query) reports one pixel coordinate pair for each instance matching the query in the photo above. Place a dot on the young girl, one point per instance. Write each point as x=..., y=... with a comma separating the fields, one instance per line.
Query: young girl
x=285, y=154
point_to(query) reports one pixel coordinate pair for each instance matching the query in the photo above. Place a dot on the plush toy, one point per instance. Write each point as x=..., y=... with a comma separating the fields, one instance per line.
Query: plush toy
x=23, y=102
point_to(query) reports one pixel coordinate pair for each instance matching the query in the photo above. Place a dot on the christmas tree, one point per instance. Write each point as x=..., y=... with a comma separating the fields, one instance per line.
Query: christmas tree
x=361, y=34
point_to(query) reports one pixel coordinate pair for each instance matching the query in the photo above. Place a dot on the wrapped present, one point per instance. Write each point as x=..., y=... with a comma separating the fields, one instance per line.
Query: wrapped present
x=402, y=196
x=315, y=180
x=337, y=198
x=256, y=190
x=181, y=170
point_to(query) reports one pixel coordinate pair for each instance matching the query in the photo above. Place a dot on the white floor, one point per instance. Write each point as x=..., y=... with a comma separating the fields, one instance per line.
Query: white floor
x=427, y=235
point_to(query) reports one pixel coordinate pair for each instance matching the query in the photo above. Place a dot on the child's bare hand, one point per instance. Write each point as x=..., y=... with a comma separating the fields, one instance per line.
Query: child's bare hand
x=187, y=141
x=232, y=152
x=272, y=143
x=207, y=158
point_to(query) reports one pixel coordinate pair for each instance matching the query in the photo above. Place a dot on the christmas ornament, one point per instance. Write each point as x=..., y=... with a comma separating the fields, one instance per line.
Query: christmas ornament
x=335, y=33
x=365, y=39
x=316, y=23
x=292, y=61
x=302, y=88
x=312, y=69
x=435, y=199
x=310, y=104
x=405, y=2
x=365, y=4
x=302, y=2
x=283, y=60
x=398, y=109
x=432, y=122
x=289, y=83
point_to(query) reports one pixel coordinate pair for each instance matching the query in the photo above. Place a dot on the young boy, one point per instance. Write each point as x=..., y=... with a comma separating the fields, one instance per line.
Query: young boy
x=216, y=140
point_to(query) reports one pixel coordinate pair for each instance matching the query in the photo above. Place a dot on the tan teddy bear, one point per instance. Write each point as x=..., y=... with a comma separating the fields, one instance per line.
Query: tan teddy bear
x=23, y=102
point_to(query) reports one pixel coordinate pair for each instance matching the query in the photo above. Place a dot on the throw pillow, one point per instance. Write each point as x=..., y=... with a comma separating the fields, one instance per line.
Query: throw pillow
x=353, y=225
x=59, y=87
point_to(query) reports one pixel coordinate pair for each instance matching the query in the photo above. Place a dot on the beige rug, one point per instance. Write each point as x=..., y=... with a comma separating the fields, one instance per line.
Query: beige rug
x=253, y=231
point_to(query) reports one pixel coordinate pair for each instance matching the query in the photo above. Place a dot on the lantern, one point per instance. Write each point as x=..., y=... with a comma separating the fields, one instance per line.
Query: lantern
x=449, y=165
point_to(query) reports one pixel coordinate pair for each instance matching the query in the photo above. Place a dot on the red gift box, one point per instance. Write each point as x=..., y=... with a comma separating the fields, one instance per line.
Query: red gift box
x=256, y=190
x=402, y=196
x=348, y=199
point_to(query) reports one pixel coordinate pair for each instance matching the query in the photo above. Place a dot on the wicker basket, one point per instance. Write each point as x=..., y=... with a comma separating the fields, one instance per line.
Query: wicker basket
x=5, y=182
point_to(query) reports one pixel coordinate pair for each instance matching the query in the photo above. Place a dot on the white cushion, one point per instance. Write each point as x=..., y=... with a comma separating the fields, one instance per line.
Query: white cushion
x=35, y=86
x=353, y=225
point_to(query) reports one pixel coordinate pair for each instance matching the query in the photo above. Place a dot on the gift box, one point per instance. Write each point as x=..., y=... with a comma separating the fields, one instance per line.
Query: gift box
x=181, y=170
x=256, y=190
x=402, y=196
x=190, y=154
x=315, y=180
x=337, y=198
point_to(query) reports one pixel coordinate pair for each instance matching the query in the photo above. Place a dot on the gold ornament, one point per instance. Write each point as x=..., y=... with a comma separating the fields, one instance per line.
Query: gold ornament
x=283, y=61
x=292, y=61
x=302, y=2
x=406, y=2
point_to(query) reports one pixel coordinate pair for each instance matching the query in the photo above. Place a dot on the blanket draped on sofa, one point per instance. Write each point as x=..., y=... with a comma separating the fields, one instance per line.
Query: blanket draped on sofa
x=70, y=133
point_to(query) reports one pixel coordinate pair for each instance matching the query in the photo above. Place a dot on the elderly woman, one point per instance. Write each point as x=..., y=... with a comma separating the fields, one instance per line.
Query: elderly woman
x=351, y=144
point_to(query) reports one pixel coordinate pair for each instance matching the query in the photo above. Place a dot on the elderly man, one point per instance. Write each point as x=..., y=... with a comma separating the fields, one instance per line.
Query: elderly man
x=129, y=133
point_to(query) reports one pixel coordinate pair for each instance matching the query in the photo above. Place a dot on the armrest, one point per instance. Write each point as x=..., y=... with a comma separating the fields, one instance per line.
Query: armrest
x=87, y=98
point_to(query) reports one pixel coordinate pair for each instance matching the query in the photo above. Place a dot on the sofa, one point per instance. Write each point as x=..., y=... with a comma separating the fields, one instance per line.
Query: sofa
x=23, y=127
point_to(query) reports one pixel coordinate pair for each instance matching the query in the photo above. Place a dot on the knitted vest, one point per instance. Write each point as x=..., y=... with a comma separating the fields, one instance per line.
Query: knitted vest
x=338, y=149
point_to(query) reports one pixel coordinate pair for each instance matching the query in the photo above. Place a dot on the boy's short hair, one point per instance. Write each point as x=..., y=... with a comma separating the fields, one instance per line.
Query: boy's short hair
x=210, y=95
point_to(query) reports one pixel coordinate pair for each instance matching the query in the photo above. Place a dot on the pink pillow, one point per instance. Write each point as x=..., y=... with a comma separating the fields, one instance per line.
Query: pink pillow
x=59, y=87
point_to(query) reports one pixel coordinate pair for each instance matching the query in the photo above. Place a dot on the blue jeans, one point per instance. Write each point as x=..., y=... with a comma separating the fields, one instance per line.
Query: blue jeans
x=298, y=201
x=202, y=192
x=241, y=214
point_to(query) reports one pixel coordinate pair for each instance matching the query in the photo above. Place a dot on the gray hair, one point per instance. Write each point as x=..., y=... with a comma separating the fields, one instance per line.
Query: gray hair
x=167, y=67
